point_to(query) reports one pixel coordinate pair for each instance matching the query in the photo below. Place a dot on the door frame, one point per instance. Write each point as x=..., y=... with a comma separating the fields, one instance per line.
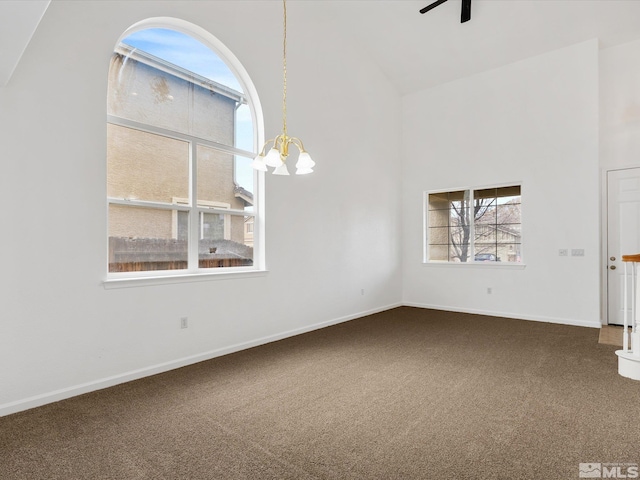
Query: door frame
x=604, y=237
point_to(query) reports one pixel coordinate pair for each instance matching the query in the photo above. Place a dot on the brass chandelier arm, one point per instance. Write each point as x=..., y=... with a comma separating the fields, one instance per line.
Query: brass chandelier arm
x=298, y=143
x=281, y=143
x=264, y=147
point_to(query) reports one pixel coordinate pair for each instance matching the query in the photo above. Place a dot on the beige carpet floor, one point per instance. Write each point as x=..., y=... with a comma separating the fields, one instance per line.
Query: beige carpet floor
x=404, y=394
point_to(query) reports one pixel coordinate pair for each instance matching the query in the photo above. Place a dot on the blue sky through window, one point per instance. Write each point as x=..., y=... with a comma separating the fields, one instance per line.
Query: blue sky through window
x=184, y=51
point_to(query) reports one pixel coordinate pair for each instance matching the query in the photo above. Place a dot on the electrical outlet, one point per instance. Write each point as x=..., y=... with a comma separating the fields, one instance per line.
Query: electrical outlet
x=362, y=291
x=577, y=252
x=489, y=290
x=563, y=252
x=184, y=322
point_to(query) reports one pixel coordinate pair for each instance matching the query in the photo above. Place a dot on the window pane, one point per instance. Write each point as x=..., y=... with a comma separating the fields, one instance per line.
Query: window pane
x=245, y=176
x=144, y=166
x=225, y=240
x=144, y=239
x=244, y=129
x=486, y=253
x=438, y=236
x=506, y=192
x=509, y=226
x=510, y=233
x=484, y=248
x=485, y=234
x=438, y=201
x=456, y=255
x=509, y=252
x=217, y=184
x=170, y=80
x=515, y=199
x=489, y=193
x=497, y=226
x=485, y=210
x=439, y=252
x=172, y=46
x=182, y=225
x=459, y=202
x=439, y=218
x=214, y=226
x=460, y=246
x=509, y=213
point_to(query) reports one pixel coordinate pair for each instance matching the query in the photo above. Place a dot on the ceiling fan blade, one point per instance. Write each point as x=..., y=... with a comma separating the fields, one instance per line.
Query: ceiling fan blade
x=432, y=6
x=466, y=11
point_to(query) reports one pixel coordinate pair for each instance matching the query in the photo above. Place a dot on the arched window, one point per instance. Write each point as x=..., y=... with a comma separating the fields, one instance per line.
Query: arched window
x=182, y=128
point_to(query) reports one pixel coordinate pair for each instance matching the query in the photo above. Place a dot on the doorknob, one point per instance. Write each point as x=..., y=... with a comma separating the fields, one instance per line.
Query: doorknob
x=613, y=259
x=612, y=267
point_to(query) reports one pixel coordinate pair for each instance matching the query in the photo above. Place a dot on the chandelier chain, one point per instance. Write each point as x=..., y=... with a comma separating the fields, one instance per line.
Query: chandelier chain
x=284, y=69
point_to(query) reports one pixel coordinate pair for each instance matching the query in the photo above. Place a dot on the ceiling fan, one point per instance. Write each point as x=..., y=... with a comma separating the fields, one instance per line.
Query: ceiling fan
x=466, y=9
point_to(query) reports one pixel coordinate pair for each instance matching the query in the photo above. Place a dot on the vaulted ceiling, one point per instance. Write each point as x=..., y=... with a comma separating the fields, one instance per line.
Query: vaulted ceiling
x=418, y=51
x=18, y=21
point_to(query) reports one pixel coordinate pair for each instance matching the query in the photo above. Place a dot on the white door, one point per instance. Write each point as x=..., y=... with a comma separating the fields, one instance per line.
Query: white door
x=623, y=234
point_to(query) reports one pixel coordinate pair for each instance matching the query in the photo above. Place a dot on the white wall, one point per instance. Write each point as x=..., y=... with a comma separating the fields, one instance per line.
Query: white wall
x=535, y=122
x=329, y=234
x=619, y=125
x=620, y=106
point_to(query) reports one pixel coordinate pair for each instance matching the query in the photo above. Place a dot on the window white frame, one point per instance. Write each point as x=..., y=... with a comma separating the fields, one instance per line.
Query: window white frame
x=471, y=262
x=193, y=273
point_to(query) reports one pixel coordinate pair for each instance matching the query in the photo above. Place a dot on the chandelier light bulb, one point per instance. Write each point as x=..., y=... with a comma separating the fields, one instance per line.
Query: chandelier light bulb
x=281, y=170
x=273, y=158
x=303, y=171
x=305, y=161
x=258, y=164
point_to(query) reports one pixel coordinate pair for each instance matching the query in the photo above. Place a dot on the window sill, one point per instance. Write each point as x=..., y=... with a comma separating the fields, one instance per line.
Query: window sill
x=497, y=265
x=167, y=279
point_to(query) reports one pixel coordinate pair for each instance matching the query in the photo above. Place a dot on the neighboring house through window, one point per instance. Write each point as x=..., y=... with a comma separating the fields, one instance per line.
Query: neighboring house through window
x=180, y=140
x=474, y=225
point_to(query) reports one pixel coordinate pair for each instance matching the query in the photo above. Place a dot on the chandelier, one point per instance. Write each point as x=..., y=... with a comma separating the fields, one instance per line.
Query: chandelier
x=279, y=152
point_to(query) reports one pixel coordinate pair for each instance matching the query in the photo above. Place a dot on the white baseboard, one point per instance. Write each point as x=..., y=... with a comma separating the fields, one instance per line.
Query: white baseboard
x=57, y=395
x=517, y=316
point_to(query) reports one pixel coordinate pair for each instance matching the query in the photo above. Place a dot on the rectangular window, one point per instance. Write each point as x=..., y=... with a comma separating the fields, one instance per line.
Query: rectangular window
x=474, y=225
x=176, y=202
